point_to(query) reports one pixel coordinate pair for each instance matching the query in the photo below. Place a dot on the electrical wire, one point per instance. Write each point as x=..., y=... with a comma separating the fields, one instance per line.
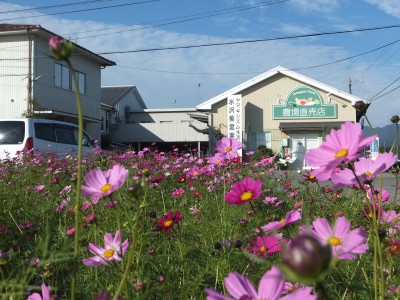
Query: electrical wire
x=251, y=41
x=53, y=6
x=82, y=10
x=182, y=19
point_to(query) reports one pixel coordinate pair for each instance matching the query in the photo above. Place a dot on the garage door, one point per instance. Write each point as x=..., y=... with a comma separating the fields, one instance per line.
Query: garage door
x=300, y=144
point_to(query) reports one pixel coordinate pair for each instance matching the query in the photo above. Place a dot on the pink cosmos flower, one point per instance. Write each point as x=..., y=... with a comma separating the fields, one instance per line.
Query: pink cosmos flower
x=383, y=194
x=264, y=245
x=103, y=183
x=243, y=192
x=340, y=146
x=113, y=250
x=217, y=160
x=270, y=200
x=343, y=241
x=45, y=294
x=391, y=217
x=271, y=287
x=366, y=170
x=228, y=147
x=291, y=217
x=178, y=192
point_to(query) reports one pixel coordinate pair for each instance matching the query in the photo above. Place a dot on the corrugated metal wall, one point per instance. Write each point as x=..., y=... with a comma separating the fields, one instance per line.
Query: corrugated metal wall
x=13, y=75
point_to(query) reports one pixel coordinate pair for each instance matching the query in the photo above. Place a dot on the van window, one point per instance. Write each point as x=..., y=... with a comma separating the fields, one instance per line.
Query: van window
x=87, y=141
x=65, y=134
x=45, y=131
x=12, y=132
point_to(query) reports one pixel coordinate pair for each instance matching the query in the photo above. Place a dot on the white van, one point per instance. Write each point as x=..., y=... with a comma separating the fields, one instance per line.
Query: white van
x=40, y=136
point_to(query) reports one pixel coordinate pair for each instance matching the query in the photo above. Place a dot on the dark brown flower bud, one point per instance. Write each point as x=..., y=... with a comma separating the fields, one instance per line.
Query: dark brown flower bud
x=306, y=257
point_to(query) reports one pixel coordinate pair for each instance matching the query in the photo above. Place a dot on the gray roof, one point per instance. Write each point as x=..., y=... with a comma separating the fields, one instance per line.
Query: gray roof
x=111, y=95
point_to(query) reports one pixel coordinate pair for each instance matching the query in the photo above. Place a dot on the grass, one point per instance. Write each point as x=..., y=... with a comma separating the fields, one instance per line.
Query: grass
x=199, y=252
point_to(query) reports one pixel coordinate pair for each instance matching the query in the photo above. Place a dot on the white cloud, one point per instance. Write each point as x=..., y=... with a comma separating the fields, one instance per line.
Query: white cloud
x=317, y=5
x=391, y=7
x=162, y=76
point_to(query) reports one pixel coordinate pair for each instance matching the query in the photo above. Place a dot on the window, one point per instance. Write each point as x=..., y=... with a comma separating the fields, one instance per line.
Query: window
x=257, y=138
x=65, y=134
x=12, y=132
x=87, y=141
x=45, y=131
x=81, y=79
x=63, y=79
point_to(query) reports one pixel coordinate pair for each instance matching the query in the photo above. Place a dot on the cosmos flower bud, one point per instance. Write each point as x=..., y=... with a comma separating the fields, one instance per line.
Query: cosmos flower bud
x=395, y=119
x=305, y=257
x=61, y=48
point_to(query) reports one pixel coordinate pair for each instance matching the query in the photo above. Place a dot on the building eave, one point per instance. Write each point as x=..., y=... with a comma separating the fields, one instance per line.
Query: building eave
x=207, y=105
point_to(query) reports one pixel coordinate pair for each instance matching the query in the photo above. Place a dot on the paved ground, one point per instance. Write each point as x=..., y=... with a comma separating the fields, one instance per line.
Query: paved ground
x=388, y=182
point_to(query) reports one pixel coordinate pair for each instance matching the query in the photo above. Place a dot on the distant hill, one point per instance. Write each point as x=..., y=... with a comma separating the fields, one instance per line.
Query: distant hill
x=386, y=135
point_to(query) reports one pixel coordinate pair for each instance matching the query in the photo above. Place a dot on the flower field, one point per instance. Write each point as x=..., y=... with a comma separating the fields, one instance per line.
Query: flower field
x=153, y=225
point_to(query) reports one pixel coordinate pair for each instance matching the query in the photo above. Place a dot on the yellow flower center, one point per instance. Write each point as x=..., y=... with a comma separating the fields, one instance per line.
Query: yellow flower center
x=218, y=161
x=368, y=173
x=105, y=188
x=370, y=215
x=108, y=253
x=291, y=288
x=228, y=149
x=311, y=176
x=283, y=221
x=342, y=153
x=195, y=173
x=263, y=249
x=246, y=196
x=393, y=248
x=395, y=219
x=168, y=223
x=334, y=241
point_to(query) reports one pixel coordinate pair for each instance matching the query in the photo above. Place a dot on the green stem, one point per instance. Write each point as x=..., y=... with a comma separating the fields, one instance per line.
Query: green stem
x=136, y=231
x=78, y=178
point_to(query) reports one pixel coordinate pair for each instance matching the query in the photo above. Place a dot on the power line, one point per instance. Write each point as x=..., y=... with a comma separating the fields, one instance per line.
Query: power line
x=53, y=6
x=377, y=95
x=183, y=19
x=251, y=41
x=82, y=10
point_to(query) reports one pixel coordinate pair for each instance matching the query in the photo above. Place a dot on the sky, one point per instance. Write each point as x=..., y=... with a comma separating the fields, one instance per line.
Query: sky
x=219, y=44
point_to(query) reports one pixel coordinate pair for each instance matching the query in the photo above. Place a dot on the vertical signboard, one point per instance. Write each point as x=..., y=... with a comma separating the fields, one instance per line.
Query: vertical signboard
x=235, y=118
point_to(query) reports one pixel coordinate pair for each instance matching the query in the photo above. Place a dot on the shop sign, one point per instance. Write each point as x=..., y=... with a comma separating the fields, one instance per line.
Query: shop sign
x=304, y=103
x=235, y=117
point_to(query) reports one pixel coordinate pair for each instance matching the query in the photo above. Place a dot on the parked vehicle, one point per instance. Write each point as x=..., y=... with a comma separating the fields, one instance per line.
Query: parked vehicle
x=40, y=136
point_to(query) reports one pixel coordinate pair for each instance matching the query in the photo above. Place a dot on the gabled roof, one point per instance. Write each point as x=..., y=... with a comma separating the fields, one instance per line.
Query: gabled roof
x=278, y=70
x=6, y=29
x=111, y=95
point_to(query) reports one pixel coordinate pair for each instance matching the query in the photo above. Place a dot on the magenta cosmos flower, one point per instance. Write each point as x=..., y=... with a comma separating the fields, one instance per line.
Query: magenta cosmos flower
x=264, y=245
x=366, y=170
x=103, y=183
x=166, y=222
x=45, y=294
x=291, y=217
x=340, y=146
x=243, y=192
x=271, y=287
x=113, y=250
x=228, y=147
x=343, y=241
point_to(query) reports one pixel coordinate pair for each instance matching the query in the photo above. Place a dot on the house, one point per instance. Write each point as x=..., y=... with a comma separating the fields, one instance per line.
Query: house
x=116, y=104
x=169, y=128
x=281, y=109
x=33, y=84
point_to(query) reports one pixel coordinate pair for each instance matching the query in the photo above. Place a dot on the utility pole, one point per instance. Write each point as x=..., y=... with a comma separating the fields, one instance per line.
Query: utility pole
x=198, y=93
x=350, y=85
